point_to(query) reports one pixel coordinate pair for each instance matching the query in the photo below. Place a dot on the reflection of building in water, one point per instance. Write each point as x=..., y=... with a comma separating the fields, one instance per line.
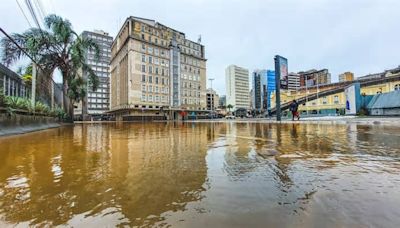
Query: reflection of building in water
x=144, y=172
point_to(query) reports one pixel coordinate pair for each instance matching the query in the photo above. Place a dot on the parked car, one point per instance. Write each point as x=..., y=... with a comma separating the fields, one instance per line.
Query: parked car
x=230, y=117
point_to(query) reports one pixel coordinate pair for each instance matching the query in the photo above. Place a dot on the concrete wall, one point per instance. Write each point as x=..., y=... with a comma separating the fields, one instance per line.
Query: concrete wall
x=385, y=111
x=19, y=124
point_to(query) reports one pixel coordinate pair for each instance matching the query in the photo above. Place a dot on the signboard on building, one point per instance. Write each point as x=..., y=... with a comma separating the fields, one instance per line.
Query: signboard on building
x=281, y=70
x=353, y=99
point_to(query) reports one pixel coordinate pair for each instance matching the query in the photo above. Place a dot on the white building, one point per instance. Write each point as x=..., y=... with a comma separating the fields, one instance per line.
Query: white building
x=293, y=81
x=237, y=87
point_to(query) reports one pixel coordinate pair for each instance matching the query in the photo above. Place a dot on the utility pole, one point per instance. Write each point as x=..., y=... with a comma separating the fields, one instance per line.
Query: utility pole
x=212, y=97
x=33, y=92
x=277, y=88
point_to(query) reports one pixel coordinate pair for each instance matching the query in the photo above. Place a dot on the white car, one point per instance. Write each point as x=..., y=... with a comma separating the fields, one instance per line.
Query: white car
x=230, y=117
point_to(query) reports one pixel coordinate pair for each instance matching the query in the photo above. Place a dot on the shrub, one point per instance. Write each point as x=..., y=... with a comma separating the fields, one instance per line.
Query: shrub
x=2, y=98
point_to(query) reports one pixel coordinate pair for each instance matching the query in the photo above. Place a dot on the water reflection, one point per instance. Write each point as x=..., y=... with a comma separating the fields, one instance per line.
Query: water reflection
x=194, y=174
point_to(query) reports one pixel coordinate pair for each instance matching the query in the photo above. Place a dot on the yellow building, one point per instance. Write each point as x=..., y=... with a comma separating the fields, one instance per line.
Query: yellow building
x=329, y=104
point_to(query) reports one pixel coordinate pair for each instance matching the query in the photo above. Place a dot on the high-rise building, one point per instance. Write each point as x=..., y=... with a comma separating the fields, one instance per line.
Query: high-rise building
x=346, y=76
x=222, y=101
x=293, y=81
x=212, y=99
x=237, y=87
x=154, y=69
x=98, y=101
x=270, y=86
x=315, y=77
x=259, y=90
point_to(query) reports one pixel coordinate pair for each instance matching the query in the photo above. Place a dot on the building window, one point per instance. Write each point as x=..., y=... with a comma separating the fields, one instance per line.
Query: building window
x=150, y=69
x=150, y=59
x=163, y=81
x=156, y=51
x=324, y=100
x=143, y=78
x=156, y=70
x=150, y=88
x=156, y=89
x=143, y=68
x=143, y=47
x=397, y=87
x=144, y=58
x=150, y=79
x=336, y=99
x=142, y=36
x=150, y=98
x=144, y=88
x=156, y=80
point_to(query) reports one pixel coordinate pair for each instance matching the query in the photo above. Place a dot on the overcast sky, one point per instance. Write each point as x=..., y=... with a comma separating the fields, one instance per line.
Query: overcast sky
x=362, y=36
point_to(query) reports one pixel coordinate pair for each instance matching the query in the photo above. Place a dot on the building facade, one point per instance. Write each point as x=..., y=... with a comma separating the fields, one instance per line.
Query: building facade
x=97, y=101
x=11, y=84
x=155, y=69
x=314, y=77
x=212, y=99
x=222, y=101
x=237, y=87
x=346, y=76
x=259, y=90
x=293, y=81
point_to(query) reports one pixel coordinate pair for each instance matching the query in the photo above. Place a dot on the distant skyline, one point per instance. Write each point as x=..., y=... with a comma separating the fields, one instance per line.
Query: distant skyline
x=360, y=36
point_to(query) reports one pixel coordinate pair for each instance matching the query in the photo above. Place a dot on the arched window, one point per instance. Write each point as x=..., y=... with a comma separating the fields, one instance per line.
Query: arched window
x=397, y=87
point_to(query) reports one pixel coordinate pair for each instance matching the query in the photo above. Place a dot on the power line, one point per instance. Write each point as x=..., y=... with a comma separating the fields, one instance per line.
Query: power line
x=33, y=14
x=23, y=13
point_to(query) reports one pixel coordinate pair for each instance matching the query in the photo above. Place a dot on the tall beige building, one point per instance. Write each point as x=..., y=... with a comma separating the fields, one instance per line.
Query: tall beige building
x=156, y=72
x=237, y=87
x=346, y=76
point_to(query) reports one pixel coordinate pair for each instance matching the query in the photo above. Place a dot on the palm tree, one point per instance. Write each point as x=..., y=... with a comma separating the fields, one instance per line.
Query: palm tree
x=229, y=107
x=57, y=46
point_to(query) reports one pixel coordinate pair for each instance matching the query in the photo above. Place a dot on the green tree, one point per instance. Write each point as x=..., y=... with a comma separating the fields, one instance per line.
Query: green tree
x=229, y=107
x=56, y=46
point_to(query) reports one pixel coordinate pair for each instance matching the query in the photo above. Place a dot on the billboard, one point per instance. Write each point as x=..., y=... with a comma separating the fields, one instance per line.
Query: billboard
x=281, y=70
x=353, y=99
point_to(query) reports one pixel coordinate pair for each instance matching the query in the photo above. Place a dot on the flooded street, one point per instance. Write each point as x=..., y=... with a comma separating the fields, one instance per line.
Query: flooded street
x=202, y=175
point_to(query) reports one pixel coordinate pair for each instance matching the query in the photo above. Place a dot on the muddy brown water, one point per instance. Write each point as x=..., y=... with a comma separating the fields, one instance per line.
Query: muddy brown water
x=202, y=175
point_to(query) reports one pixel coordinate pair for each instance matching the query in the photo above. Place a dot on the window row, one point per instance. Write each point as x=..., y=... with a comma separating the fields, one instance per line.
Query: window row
x=99, y=38
x=155, y=70
x=155, y=89
x=190, y=69
x=93, y=100
x=98, y=106
x=155, y=51
x=191, y=61
x=98, y=95
x=190, y=77
x=191, y=93
x=154, y=60
x=191, y=101
x=157, y=80
x=191, y=86
x=155, y=98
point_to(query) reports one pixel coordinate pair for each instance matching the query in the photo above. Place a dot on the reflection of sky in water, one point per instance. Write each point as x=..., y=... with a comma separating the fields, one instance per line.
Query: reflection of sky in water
x=196, y=175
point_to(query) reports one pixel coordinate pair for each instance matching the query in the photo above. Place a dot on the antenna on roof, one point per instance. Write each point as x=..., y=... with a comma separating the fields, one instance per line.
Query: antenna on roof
x=199, y=39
